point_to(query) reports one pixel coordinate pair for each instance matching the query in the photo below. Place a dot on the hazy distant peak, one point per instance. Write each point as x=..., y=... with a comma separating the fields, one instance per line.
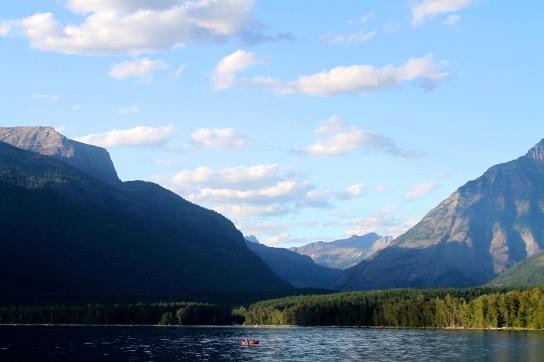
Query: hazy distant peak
x=537, y=152
x=252, y=238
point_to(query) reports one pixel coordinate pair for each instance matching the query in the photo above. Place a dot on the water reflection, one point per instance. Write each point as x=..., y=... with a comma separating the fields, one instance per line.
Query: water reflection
x=276, y=344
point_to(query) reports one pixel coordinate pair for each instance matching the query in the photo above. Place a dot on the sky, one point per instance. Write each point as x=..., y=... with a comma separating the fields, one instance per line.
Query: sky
x=299, y=121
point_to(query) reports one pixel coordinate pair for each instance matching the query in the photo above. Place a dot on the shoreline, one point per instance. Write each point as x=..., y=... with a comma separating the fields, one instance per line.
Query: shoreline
x=507, y=329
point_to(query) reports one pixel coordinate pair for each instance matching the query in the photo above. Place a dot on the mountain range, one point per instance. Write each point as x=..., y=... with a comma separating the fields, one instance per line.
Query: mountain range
x=478, y=232
x=344, y=253
x=71, y=230
x=299, y=270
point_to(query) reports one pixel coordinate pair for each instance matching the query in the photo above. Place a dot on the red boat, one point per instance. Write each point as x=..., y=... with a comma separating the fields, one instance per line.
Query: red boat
x=247, y=342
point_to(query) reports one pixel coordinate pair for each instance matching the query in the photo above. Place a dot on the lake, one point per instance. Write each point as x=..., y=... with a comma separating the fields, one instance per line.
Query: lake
x=137, y=343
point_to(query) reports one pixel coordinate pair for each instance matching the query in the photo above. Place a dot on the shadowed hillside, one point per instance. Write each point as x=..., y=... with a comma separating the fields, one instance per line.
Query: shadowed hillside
x=66, y=235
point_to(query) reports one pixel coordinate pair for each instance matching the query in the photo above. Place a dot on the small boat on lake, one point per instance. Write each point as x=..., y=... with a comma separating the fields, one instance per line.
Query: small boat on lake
x=247, y=342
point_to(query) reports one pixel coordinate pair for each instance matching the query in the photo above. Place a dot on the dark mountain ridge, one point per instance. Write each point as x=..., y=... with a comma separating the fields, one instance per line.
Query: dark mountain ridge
x=66, y=235
x=299, y=270
x=478, y=232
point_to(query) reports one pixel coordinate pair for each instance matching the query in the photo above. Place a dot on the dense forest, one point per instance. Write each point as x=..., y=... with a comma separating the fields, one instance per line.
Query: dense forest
x=184, y=313
x=408, y=308
x=398, y=308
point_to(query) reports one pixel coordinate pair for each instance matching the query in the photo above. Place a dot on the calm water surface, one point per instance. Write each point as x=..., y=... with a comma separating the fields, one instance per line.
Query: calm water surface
x=122, y=343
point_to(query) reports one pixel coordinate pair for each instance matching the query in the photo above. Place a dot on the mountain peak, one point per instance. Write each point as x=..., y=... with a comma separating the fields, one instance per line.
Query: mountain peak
x=46, y=141
x=537, y=152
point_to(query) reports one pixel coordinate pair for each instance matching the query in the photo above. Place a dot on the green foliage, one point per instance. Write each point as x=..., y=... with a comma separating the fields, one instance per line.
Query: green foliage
x=182, y=313
x=407, y=308
x=526, y=273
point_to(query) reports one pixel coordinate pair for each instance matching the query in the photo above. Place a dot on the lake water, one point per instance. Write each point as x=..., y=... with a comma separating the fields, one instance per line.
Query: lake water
x=122, y=343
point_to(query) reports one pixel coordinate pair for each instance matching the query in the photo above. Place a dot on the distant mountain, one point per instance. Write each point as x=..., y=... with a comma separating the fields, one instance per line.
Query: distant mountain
x=251, y=238
x=478, y=232
x=526, y=273
x=66, y=235
x=298, y=270
x=92, y=160
x=344, y=253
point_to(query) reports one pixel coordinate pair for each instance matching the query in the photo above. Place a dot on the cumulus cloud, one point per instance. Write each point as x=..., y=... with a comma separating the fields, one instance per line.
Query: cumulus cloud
x=137, y=136
x=335, y=138
x=225, y=71
x=120, y=26
x=259, y=190
x=129, y=110
x=420, y=190
x=46, y=97
x=139, y=68
x=219, y=138
x=430, y=8
x=356, y=79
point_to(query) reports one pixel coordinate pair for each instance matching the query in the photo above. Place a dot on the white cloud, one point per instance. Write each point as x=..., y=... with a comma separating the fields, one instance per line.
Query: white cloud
x=452, y=20
x=357, y=79
x=46, y=97
x=137, y=136
x=224, y=75
x=5, y=28
x=219, y=138
x=420, y=190
x=119, y=26
x=335, y=138
x=121, y=6
x=76, y=107
x=139, y=68
x=431, y=8
x=354, y=191
x=358, y=37
x=259, y=190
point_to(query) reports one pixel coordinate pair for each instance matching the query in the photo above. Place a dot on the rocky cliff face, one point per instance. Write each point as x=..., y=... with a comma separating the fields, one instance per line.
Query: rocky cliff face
x=92, y=160
x=481, y=230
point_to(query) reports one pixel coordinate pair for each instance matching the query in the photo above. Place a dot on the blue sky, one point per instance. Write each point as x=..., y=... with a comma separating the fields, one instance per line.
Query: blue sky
x=299, y=121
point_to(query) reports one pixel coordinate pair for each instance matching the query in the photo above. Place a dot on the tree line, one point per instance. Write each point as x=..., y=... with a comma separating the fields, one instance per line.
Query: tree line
x=408, y=308
x=400, y=308
x=182, y=313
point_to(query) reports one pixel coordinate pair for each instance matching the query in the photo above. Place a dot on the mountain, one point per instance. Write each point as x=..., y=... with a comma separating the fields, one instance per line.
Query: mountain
x=94, y=161
x=298, y=270
x=526, y=273
x=67, y=235
x=344, y=253
x=478, y=232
